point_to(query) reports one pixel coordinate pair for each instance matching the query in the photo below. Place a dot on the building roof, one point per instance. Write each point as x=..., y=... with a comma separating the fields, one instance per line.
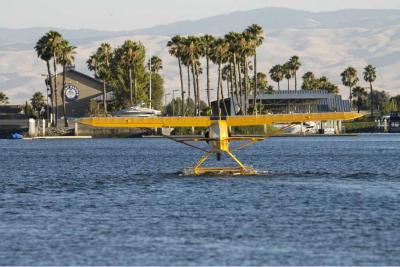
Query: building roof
x=292, y=95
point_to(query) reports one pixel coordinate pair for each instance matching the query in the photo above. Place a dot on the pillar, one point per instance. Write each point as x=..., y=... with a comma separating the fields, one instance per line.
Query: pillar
x=43, y=127
x=76, y=129
x=32, y=128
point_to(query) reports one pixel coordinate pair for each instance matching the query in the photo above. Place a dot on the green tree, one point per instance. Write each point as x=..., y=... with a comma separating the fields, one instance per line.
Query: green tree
x=104, y=56
x=294, y=66
x=66, y=58
x=310, y=82
x=324, y=84
x=277, y=74
x=256, y=33
x=206, y=43
x=391, y=106
x=370, y=77
x=129, y=55
x=397, y=100
x=349, y=79
x=55, y=40
x=38, y=102
x=3, y=98
x=175, y=48
x=218, y=56
x=360, y=94
x=155, y=64
x=287, y=73
x=44, y=52
x=380, y=100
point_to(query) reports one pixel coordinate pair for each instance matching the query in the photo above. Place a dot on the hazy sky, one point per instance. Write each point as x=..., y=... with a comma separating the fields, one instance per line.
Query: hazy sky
x=134, y=14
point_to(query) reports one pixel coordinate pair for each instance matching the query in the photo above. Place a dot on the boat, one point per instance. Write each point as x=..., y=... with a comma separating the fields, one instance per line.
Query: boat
x=137, y=111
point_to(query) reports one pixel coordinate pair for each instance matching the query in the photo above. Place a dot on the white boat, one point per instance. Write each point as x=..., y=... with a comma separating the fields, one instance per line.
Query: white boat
x=137, y=111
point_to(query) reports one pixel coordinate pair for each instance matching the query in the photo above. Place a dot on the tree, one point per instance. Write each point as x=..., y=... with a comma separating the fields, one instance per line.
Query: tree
x=191, y=54
x=277, y=74
x=370, y=77
x=349, y=79
x=3, y=98
x=288, y=73
x=324, y=84
x=380, y=100
x=397, y=100
x=256, y=33
x=155, y=64
x=391, y=106
x=38, y=102
x=218, y=56
x=128, y=55
x=175, y=49
x=104, y=55
x=294, y=66
x=54, y=43
x=309, y=81
x=206, y=45
x=360, y=94
x=67, y=52
x=44, y=52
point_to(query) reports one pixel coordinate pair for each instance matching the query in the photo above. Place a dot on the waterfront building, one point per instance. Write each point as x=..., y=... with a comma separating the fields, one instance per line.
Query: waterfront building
x=83, y=94
x=279, y=102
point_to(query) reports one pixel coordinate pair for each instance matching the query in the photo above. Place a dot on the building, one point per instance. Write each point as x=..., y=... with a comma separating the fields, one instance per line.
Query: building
x=81, y=93
x=277, y=102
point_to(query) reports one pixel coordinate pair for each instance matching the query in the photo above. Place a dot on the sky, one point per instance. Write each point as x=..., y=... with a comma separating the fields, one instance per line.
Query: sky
x=137, y=14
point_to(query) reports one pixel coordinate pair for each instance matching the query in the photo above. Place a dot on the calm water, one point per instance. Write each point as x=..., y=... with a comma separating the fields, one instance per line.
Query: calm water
x=325, y=201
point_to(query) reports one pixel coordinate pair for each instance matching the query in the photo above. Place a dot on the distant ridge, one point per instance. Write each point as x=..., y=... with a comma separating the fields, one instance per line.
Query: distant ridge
x=279, y=18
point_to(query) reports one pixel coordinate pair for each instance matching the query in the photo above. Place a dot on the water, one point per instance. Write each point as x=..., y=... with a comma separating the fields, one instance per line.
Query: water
x=325, y=201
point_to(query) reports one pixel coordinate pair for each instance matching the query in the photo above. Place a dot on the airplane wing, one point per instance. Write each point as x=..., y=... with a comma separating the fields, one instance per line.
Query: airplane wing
x=160, y=122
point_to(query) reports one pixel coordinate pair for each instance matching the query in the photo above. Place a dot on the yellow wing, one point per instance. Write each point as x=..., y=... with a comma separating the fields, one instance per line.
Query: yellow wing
x=160, y=122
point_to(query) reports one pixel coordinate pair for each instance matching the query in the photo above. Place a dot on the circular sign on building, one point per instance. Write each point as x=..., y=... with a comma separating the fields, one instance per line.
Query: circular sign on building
x=71, y=92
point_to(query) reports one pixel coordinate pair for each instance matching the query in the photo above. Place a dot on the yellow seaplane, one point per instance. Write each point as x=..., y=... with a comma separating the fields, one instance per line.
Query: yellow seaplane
x=218, y=138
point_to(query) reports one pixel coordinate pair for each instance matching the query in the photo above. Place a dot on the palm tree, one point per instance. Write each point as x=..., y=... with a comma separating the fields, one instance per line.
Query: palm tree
x=277, y=74
x=37, y=102
x=3, y=98
x=309, y=81
x=205, y=47
x=175, y=49
x=93, y=64
x=104, y=53
x=131, y=51
x=233, y=55
x=257, y=34
x=66, y=59
x=54, y=41
x=44, y=52
x=349, y=79
x=191, y=52
x=360, y=93
x=155, y=63
x=218, y=56
x=294, y=63
x=288, y=73
x=370, y=77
